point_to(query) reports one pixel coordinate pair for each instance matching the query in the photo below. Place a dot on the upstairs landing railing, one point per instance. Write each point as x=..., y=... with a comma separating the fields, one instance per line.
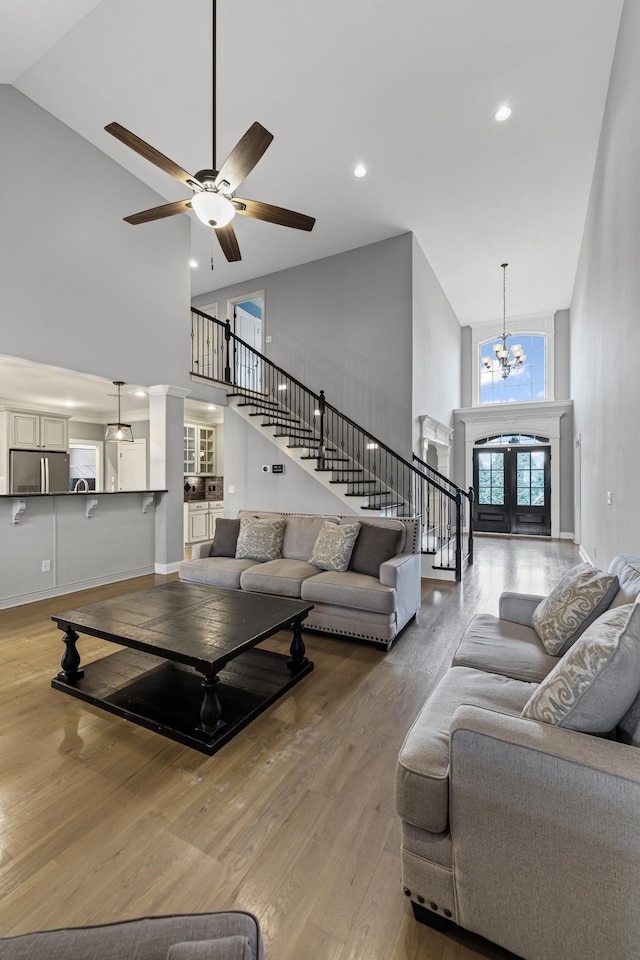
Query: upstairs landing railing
x=354, y=457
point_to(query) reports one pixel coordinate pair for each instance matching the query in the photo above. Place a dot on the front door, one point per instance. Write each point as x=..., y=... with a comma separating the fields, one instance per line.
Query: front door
x=512, y=490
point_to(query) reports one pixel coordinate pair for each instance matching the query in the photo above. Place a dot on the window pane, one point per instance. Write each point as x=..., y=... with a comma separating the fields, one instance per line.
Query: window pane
x=523, y=478
x=484, y=495
x=497, y=495
x=524, y=461
x=484, y=477
x=524, y=499
x=497, y=461
x=537, y=478
x=526, y=381
x=537, y=459
x=484, y=461
x=497, y=478
x=537, y=498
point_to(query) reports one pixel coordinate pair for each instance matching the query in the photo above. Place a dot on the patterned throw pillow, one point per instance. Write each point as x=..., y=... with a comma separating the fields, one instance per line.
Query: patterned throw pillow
x=260, y=538
x=597, y=680
x=333, y=546
x=579, y=599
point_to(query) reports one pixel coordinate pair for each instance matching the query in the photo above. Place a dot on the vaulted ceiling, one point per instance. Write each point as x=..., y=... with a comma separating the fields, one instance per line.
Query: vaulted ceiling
x=408, y=88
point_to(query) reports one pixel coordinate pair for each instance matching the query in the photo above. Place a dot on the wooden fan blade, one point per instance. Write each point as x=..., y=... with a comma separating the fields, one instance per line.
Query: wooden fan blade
x=150, y=153
x=267, y=211
x=229, y=243
x=157, y=213
x=244, y=157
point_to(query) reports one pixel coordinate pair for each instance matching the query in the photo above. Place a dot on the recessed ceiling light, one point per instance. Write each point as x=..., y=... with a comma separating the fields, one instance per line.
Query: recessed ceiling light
x=211, y=407
x=193, y=264
x=503, y=113
x=360, y=171
x=140, y=393
x=70, y=403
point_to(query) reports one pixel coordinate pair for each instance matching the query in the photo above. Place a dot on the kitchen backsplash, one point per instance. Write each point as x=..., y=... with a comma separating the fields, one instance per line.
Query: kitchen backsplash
x=203, y=488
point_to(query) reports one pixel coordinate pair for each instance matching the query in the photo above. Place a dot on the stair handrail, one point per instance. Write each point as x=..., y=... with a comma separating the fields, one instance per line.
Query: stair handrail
x=321, y=400
x=321, y=405
x=469, y=494
x=441, y=476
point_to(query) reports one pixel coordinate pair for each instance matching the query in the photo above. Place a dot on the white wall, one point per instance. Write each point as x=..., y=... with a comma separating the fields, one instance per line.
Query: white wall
x=437, y=343
x=79, y=288
x=604, y=318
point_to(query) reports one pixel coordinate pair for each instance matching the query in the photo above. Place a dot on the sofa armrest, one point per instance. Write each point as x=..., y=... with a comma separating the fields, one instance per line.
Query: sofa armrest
x=200, y=550
x=518, y=607
x=403, y=574
x=544, y=825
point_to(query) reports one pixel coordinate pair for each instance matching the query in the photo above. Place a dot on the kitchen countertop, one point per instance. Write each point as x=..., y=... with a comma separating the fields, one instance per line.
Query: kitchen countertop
x=80, y=493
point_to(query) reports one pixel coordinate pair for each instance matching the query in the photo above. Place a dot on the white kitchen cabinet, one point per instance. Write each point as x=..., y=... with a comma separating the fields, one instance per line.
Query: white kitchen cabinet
x=200, y=520
x=34, y=431
x=199, y=449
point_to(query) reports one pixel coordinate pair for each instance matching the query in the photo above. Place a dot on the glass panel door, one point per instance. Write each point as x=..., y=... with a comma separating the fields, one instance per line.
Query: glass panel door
x=512, y=490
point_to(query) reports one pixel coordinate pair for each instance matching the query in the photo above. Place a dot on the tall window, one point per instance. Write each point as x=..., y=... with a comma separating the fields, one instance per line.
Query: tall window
x=525, y=382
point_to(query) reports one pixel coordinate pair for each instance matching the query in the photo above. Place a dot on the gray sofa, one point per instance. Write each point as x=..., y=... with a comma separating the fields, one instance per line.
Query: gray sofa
x=233, y=935
x=364, y=607
x=524, y=832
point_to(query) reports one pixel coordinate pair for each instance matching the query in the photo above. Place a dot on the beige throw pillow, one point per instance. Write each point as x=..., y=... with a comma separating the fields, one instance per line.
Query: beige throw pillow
x=260, y=538
x=333, y=546
x=597, y=680
x=579, y=599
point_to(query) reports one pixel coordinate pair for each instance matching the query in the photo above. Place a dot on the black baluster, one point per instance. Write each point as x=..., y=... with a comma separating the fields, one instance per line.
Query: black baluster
x=227, y=367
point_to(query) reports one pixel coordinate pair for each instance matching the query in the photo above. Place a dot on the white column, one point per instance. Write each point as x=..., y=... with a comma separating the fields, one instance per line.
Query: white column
x=166, y=429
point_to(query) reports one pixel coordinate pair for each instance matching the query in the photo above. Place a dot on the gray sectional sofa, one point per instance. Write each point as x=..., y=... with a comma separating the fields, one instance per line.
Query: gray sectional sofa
x=372, y=607
x=525, y=831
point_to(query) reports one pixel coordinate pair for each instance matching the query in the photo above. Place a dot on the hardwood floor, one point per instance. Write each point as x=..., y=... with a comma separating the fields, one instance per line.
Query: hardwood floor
x=293, y=820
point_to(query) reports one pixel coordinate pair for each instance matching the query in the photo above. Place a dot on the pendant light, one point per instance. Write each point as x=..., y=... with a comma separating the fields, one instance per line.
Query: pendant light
x=119, y=432
x=506, y=357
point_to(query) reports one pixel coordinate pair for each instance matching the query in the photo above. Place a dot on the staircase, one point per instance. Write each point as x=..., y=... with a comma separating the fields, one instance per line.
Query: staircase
x=358, y=468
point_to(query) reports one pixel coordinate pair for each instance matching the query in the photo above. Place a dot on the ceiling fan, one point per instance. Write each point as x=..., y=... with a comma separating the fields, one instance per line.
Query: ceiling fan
x=214, y=200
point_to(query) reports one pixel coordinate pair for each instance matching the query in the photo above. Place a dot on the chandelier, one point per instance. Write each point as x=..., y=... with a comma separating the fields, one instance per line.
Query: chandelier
x=505, y=357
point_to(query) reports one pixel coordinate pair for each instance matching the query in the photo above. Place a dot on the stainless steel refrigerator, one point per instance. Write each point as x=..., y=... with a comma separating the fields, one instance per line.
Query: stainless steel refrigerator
x=34, y=471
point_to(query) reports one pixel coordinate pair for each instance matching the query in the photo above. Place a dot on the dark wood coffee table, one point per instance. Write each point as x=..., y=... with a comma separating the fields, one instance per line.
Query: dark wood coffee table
x=191, y=670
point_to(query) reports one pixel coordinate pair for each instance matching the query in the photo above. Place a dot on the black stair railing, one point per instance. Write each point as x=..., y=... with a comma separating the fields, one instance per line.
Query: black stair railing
x=370, y=470
x=467, y=499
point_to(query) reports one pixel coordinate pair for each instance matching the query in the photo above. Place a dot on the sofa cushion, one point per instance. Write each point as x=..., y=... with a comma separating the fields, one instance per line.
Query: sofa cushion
x=373, y=546
x=350, y=590
x=422, y=773
x=148, y=938
x=627, y=570
x=284, y=578
x=300, y=534
x=597, y=680
x=215, y=571
x=227, y=948
x=260, y=538
x=501, y=646
x=333, y=546
x=581, y=596
x=389, y=523
x=225, y=538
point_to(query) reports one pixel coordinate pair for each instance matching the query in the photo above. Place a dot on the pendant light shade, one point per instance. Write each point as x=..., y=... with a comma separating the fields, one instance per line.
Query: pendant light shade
x=119, y=432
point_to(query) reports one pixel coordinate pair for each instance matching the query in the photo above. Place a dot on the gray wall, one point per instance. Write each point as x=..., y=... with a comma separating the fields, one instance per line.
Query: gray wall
x=246, y=450
x=562, y=355
x=436, y=348
x=604, y=317
x=79, y=288
x=343, y=324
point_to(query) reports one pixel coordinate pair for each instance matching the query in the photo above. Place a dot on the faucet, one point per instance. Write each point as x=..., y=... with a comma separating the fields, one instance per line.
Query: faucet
x=77, y=488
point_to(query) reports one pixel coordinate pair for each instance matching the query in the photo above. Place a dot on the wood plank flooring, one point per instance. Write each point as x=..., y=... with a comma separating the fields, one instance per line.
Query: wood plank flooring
x=293, y=820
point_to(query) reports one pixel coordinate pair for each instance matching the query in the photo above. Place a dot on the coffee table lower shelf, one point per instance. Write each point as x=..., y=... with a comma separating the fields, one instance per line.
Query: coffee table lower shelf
x=166, y=697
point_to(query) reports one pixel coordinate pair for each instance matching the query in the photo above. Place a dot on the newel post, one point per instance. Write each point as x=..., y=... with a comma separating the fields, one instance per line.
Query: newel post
x=227, y=363
x=321, y=408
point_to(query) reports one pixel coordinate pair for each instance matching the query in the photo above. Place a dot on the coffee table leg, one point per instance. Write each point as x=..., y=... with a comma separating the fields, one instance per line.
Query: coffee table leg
x=211, y=710
x=70, y=658
x=297, y=649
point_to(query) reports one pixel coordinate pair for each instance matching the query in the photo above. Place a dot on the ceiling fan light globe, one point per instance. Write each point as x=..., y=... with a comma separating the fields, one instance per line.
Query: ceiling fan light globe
x=213, y=208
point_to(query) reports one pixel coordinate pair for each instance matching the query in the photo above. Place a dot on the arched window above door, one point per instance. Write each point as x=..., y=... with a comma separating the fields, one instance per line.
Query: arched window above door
x=510, y=439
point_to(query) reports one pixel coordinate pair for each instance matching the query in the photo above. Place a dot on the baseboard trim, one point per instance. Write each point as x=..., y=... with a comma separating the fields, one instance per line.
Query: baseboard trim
x=166, y=568
x=65, y=588
x=567, y=536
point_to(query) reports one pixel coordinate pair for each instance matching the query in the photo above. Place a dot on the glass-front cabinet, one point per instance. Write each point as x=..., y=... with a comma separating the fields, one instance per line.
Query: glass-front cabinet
x=199, y=449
